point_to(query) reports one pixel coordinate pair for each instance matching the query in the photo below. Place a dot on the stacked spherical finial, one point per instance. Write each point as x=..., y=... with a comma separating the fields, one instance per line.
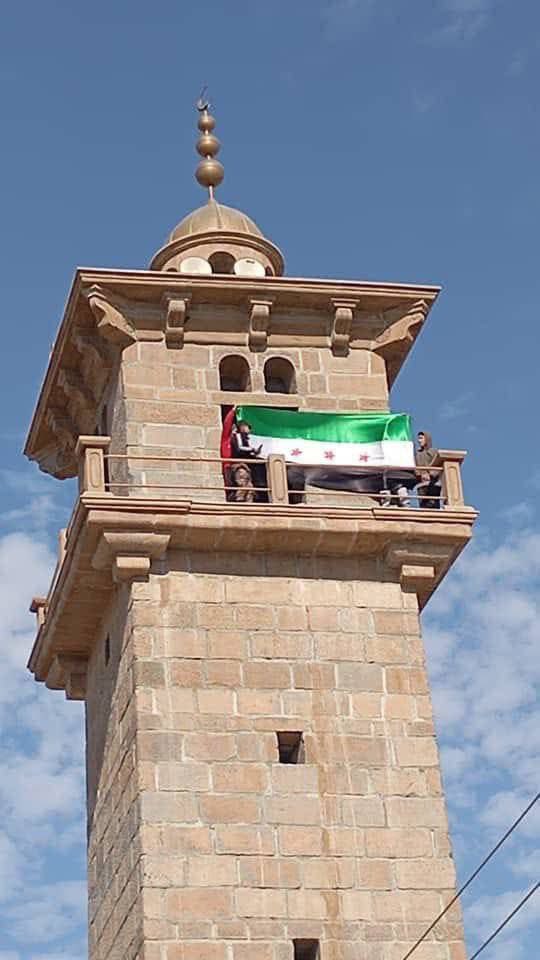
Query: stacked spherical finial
x=209, y=172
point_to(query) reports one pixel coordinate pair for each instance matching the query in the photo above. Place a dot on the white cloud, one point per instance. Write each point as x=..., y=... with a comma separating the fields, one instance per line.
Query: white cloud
x=41, y=782
x=519, y=514
x=12, y=864
x=482, y=636
x=528, y=864
x=55, y=909
x=487, y=912
x=37, y=513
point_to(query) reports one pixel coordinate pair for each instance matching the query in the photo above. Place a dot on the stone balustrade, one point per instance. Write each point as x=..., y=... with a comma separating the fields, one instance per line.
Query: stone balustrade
x=201, y=478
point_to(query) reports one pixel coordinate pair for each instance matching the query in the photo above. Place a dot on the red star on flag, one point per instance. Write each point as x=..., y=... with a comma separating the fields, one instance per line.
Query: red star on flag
x=363, y=458
x=329, y=454
x=296, y=452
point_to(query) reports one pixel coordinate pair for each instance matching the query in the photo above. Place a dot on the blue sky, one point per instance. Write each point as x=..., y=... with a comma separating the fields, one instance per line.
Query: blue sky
x=371, y=139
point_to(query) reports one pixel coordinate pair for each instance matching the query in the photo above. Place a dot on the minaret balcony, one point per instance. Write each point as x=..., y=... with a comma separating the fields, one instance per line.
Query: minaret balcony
x=131, y=510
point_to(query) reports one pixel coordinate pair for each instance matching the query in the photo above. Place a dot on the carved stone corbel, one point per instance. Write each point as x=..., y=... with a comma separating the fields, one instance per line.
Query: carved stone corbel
x=175, y=319
x=110, y=322
x=397, y=338
x=63, y=427
x=259, y=324
x=341, y=326
x=68, y=672
x=129, y=554
x=39, y=607
x=75, y=388
x=419, y=566
x=91, y=346
x=416, y=578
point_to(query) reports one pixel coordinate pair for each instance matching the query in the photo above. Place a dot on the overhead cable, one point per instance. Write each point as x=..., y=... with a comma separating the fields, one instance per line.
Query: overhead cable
x=473, y=876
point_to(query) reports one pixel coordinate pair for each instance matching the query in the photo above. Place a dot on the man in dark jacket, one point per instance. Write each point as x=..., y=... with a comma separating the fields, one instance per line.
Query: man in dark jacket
x=242, y=474
x=428, y=490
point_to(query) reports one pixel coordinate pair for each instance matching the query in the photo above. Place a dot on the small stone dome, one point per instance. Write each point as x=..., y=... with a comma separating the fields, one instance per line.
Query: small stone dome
x=215, y=230
x=215, y=216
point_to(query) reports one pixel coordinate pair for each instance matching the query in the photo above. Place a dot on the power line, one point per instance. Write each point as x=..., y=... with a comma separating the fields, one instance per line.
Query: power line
x=473, y=876
x=509, y=917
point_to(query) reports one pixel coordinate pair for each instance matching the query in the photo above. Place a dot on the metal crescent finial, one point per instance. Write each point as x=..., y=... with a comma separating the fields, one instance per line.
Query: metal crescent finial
x=203, y=102
x=209, y=172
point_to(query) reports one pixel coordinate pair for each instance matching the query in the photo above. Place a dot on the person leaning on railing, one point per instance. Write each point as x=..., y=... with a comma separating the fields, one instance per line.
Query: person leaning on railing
x=241, y=473
x=428, y=490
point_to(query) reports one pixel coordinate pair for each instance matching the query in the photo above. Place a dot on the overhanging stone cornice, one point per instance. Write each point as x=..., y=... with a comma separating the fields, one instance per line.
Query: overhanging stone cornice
x=114, y=540
x=108, y=309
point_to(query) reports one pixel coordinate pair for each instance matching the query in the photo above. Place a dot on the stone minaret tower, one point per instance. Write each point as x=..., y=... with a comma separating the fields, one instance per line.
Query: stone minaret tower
x=263, y=776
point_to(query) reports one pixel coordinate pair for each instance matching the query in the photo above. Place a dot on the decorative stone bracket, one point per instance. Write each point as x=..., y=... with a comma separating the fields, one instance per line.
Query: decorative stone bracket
x=259, y=324
x=65, y=434
x=129, y=554
x=416, y=578
x=401, y=332
x=88, y=344
x=175, y=319
x=341, y=326
x=68, y=672
x=110, y=322
x=418, y=566
x=75, y=389
x=39, y=607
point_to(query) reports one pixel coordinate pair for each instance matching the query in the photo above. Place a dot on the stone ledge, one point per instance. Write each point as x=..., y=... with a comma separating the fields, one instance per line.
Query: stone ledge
x=116, y=540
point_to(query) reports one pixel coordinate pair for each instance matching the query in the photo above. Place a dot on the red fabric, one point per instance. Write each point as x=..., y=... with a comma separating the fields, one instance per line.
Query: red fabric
x=226, y=442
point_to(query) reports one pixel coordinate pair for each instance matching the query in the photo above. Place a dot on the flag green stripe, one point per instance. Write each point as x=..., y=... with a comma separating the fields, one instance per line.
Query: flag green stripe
x=329, y=427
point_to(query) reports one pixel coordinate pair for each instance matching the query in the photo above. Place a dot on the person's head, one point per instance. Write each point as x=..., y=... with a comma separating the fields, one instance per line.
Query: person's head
x=423, y=440
x=244, y=427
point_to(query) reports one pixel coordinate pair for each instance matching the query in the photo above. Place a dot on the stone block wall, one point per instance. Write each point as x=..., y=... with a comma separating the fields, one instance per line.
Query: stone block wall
x=172, y=406
x=114, y=888
x=237, y=853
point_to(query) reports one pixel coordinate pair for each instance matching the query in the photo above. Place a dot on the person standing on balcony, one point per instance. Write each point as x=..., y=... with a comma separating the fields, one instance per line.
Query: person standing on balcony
x=242, y=474
x=428, y=490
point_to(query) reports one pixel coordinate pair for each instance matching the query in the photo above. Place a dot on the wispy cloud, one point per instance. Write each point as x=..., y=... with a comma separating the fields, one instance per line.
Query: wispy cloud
x=453, y=22
x=517, y=64
x=33, y=501
x=519, y=514
x=352, y=12
x=424, y=100
x=459, y=406
x=461, y=20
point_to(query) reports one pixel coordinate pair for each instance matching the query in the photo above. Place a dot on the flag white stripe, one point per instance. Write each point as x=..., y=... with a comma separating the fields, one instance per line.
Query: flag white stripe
x=383, y=453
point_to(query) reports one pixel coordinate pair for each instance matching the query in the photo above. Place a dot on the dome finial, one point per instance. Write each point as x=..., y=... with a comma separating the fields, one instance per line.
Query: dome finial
x=209, y=172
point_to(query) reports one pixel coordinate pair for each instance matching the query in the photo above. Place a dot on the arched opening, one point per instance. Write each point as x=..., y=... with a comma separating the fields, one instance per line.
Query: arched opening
x=221, y=262
x=279, y=376
x=234, y=374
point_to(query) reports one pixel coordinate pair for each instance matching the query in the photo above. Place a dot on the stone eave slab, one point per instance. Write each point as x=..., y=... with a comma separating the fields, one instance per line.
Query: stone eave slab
x=105, y=528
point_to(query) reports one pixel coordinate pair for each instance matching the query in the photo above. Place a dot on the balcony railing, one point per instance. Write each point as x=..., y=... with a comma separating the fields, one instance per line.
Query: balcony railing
x=210, y=479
